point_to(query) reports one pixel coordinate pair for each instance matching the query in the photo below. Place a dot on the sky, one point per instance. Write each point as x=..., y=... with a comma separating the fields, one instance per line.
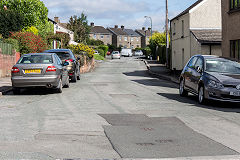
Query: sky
x=108, y=13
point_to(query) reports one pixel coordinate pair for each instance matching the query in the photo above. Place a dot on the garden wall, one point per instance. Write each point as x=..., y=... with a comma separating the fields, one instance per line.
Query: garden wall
x=7, y=62
x=87, y=66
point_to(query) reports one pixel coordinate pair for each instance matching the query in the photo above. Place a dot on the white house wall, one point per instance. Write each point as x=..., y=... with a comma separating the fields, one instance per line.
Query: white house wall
x=179, y=43
x=206, y=15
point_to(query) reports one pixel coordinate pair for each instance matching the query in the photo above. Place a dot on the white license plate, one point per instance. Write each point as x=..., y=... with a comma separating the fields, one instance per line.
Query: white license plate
x=235, y=94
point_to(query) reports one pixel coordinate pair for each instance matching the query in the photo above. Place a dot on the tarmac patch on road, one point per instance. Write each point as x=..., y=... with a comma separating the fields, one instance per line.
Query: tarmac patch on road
x=139, y=136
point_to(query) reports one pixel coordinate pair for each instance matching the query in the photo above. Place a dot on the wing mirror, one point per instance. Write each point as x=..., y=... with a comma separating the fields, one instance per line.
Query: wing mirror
x=65, y=63
x=199, y=69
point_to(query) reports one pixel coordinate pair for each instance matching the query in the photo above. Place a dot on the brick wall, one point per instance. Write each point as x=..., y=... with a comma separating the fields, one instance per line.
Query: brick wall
x=88, y=66
x=6, y=63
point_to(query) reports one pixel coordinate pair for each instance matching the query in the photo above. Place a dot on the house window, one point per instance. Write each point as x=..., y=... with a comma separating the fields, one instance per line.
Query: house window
x=125, y=38
x=120, y=38
x=174, y=28
x=95, y=36
x=108, y=36
x=102, y=36
x=132, y=39
x=234, y=4
x=182, y=28
x=137, y=39
x=235, y=49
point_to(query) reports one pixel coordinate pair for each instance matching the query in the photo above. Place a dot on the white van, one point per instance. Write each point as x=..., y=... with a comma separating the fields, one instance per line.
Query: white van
x=127, y=52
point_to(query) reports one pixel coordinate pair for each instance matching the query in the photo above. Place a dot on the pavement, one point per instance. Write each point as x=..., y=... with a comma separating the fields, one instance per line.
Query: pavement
x=160, y=70
x=5, y=85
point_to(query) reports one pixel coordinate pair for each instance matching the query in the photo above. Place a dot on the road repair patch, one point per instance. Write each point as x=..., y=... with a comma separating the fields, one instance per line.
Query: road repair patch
x=138, y=136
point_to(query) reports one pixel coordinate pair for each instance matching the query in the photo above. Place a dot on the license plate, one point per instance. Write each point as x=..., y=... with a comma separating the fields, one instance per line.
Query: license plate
x=32, y=71
x=235, y=94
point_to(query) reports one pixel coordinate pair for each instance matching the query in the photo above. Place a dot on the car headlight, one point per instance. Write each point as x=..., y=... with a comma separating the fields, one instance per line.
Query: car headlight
x=215, y=84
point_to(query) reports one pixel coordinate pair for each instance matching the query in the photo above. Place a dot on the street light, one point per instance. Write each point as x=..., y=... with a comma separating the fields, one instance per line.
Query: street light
x=151, y=22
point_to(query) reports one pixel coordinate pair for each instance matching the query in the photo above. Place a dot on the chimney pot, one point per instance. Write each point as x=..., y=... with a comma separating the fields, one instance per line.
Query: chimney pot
x=149, y=29
x=92, y=24
x=122, y=27
x=116, y=26
x=56, y=19
x=143, y=28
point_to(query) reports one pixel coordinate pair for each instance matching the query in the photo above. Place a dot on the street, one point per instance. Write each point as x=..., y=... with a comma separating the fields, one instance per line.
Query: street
x=116, y=111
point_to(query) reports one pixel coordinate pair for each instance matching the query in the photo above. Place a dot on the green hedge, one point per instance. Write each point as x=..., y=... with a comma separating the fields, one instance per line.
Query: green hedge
x=14, y=43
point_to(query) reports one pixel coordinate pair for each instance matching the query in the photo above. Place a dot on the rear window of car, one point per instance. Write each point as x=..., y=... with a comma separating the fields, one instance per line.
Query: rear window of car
x=36, y=59
x=115, y=52
x=63, y=55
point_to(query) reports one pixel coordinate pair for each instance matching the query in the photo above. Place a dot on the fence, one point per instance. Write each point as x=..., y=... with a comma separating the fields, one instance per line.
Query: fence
x=7, y=49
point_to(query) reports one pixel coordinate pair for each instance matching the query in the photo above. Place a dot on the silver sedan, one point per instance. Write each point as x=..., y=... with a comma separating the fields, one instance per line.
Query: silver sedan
x=40, y=70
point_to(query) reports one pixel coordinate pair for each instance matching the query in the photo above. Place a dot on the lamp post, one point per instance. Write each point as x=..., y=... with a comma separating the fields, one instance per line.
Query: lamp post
x=151, y=22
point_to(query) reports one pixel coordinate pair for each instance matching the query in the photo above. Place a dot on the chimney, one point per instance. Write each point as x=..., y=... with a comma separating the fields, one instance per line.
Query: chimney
x=149, y=29
x=56, y=19
x=92, y=24
x=122, y=27
x=116, y=26
x=143, y=28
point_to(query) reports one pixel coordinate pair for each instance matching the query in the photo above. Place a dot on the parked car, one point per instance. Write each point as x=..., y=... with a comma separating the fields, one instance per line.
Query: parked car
x=40, y=70
x=116, y=55
x=96, y=52
x=66, y=55
x=211, y=77
x=127, y=52
x=138, y=53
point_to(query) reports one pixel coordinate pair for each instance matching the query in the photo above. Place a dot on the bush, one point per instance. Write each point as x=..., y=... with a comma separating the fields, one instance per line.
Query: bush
x=32, y=29
x=14, y=43
x=104, y=48
x=10, y=22
x=98, y=57
x=29, y=43
x=82, y=49
x=101, y=52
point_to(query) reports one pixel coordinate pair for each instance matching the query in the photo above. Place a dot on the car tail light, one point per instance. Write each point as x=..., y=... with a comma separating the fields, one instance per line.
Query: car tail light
x=69, y=60
x=51, y=69
x=15, y=70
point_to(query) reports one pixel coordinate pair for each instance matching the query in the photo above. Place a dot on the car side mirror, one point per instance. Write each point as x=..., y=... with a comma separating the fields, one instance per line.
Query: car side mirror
x=65, y=63
x=199, y=69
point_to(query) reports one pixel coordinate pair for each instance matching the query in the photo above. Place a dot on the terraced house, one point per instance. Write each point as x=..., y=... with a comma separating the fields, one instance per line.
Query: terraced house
x=145, y=36
x=100, y=33
x=126, y=38
x=197, y=30
x=230, y=28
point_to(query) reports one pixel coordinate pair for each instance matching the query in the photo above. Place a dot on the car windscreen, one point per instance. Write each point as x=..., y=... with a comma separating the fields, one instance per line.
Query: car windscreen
x=36, y=59
x=63, y=55
x=222, y=66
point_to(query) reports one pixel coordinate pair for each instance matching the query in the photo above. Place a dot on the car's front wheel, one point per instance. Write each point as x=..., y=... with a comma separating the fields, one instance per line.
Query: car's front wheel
x=182, y=91
x=74, y=77
x=201, y=95
x=67, y=83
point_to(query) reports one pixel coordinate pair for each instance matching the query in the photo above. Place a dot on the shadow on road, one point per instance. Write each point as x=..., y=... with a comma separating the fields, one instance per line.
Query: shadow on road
x=3, y=89
x=142, y=73
x=156, y=82
x=33, y=92
x=214, y=105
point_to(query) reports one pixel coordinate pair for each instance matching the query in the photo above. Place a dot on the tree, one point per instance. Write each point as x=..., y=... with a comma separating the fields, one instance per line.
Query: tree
x=11, y=21
x=34, y=12
x=79, y=25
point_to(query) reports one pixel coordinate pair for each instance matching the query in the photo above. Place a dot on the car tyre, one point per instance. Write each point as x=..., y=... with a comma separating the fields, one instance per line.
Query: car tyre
x=59, y=87
x=79, y=75
x=201, y=95
x=182, y=91
x=67, y=83
x=74, y=77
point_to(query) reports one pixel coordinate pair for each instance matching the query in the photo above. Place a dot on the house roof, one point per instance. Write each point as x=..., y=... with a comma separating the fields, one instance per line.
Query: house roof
x=117, y=31
x=99, y=29
x=208, y=35
x=144, y=32
x=188, y=9
x=131, y=32
x=64, y=25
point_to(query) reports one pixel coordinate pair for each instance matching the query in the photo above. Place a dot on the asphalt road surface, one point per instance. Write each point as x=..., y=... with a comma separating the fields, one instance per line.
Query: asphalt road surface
x=117, y=111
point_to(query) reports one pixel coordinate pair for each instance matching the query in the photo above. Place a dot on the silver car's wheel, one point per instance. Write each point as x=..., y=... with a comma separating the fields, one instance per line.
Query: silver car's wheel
x=201, y=98
x=59, y=87
x=67, y=83
x=182, y=91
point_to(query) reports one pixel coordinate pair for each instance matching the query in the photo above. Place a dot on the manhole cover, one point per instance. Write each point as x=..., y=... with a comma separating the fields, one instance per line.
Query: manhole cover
x=144, y=144
x=123, y=95
x=164, y=141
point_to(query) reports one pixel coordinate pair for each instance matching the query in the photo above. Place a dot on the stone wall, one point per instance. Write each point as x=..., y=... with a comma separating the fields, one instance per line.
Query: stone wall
x=7, y=62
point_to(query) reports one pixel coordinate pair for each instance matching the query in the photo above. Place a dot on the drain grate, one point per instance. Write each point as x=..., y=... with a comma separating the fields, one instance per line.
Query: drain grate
x=164, y=141
x=144, y=144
